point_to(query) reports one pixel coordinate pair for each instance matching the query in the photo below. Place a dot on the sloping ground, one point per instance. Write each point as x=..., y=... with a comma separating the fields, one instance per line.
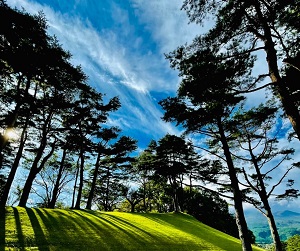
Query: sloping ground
x=46, y=229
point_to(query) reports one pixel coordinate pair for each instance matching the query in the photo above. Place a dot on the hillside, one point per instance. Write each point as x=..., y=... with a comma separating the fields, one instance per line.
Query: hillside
x=46, y=229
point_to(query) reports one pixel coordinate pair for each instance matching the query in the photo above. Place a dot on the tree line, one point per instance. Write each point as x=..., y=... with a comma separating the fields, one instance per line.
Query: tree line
x=228, y=149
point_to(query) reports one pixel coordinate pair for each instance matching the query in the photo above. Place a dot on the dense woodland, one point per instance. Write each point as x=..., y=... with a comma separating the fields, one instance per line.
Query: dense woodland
x=54, y=126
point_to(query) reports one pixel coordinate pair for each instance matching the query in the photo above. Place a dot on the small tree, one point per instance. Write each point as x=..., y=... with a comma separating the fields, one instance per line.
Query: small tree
x=133, y=197
x=172, y=161
x=113, y=172
x=142, y=172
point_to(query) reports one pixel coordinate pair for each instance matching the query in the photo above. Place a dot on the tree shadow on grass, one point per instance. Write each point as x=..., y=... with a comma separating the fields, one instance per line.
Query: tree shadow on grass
x=104, y=228
x=40, y=238
x=56, y=237
x=187, y=224
x=124, y=235
x=2, y=229
x=67, y=231
x=19, y=229
x=124, y=223
x=74, y=229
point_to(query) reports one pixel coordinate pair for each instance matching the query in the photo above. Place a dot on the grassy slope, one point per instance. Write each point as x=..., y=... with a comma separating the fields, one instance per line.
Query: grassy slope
x=45, y=229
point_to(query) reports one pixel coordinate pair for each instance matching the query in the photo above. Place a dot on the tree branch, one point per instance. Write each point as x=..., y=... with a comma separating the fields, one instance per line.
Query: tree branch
x=256, y=89
x=202, y=148
x=285, y=174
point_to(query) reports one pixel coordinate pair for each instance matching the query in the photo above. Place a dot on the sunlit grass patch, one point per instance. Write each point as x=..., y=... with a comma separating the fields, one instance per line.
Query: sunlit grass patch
x=46, y=229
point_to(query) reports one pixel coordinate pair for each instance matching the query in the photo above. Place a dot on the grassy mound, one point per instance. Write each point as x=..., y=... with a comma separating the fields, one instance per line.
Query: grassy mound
x=46, y=229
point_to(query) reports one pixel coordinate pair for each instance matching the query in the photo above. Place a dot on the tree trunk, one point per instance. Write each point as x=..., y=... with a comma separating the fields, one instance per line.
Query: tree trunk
x=144, y=195
x=107, y=190
x=13, y=169
x=273, y=228
x=32, y=174
x=10, y=125
x=75, y=185
x=132, y=204
x=264, y=199
x=237, y=197
x=57, y=182
x=93, y=185
x=27, y=188
x=79, y=194
x=175, y=195
x=34, y=170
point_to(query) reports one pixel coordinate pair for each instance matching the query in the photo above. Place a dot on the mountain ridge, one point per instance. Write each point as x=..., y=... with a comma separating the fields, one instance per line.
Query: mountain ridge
x=286, y=213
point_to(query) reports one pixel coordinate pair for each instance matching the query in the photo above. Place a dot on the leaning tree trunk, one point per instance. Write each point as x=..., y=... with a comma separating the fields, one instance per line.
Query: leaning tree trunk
x=272, y=225
x=23, y=139
x=34, y=170
x=13, y=171
x=264, y=199
x=12, y=119
x=57, y=182
x=237, y=196
x=93, y=185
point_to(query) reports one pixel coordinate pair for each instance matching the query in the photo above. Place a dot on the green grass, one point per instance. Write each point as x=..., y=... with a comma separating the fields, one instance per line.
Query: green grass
x=46, y=229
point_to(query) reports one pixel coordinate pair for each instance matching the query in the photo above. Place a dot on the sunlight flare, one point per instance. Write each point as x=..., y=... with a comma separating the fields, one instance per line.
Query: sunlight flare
x=11, y=134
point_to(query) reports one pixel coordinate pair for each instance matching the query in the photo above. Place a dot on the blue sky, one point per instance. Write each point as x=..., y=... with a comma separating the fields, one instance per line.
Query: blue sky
x=120, y=45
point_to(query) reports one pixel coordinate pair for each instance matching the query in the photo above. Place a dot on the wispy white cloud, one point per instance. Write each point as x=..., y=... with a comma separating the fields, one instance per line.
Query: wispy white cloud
x=103, y=48
x=168, y=24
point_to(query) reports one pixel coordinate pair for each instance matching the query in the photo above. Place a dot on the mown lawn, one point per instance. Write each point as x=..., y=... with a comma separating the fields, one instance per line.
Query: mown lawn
x=46, y=229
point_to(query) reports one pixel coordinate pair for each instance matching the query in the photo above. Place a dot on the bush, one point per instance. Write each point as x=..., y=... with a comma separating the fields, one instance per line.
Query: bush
x=293, y=243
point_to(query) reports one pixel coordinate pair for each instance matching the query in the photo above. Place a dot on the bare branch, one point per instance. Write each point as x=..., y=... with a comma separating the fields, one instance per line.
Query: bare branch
x=279, y=182
x=256, y=89
x=242, y=53
x=279, y=37
x=249, y=182
x=278, y=164
x=258, y=208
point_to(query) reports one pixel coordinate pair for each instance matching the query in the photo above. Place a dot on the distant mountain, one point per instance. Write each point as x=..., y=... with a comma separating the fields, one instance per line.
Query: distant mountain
x=288, y=224
x=286, y=213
